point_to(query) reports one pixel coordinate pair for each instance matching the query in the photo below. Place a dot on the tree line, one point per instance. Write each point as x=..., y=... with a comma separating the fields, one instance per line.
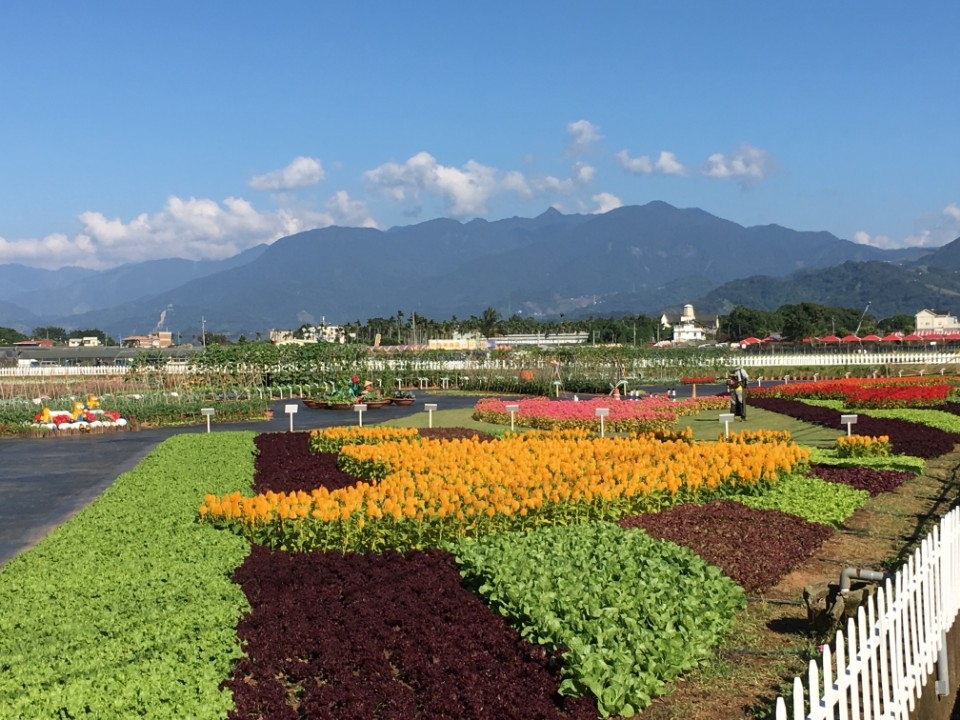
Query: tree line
x=789, y=322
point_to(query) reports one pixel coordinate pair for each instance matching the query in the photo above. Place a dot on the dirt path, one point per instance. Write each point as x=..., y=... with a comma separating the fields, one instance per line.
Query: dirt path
x=770, y=644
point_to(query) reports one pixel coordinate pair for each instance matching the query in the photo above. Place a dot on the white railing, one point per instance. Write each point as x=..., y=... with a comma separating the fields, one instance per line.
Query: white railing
x=83, y=370
x=894, y=357
x=890, y=652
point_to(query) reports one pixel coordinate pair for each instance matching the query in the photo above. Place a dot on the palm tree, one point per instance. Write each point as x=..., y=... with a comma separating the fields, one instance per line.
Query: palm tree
x=489, y=322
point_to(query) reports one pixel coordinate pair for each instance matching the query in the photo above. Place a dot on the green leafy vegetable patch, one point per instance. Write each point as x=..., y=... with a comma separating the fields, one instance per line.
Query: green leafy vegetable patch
x=629, y=612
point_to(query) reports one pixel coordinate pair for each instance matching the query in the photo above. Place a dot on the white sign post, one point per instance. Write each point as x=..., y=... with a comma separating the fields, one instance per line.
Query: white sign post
x=290, y=410
x=430, y=407
x=726, y=419
x=207, y=413
x=601, y=413
x=359, y=409
x=848, y=420
x=512, y=409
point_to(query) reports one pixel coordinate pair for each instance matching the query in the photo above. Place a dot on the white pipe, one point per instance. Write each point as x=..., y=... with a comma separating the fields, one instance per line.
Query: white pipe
x=851, y=572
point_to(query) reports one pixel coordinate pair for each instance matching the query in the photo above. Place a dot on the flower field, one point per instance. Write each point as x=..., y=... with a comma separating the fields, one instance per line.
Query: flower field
x=877, y=393
x=422, y=494
x=434, y=574
x=644, y=415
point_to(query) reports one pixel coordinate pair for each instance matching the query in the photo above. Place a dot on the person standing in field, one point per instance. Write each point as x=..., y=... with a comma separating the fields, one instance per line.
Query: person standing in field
x=738, y=393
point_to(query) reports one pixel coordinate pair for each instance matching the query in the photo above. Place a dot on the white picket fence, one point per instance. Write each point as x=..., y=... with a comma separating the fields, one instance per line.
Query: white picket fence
x=896, y=644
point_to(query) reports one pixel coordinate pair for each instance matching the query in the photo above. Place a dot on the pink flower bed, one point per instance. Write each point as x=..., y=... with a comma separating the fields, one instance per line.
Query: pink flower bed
x=644, y=415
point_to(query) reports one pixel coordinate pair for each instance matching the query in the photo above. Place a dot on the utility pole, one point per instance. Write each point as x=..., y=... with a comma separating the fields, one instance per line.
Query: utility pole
x=203, y=332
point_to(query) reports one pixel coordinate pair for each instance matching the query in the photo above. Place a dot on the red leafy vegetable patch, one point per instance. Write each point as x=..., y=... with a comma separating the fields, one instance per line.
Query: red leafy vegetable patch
x=862, y=478
x=284, y=463
x=383, y=636
x=754, y=547
x=906, y=438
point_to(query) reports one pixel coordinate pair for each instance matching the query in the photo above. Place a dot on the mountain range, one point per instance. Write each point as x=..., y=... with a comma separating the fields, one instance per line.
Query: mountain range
x=633, y=260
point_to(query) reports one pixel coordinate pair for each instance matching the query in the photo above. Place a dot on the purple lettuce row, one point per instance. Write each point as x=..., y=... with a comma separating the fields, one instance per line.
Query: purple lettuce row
x=862, y=478
x=382, y=637
x=728, y=534
x=906, y=438
x=950, y=407
x=284, y=463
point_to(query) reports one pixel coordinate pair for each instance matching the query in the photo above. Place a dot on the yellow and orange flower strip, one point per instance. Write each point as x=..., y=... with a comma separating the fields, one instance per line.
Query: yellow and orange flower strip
x=424, y=494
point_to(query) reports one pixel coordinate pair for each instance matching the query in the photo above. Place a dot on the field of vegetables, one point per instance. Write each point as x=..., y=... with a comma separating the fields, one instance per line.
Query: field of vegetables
x=390, y=573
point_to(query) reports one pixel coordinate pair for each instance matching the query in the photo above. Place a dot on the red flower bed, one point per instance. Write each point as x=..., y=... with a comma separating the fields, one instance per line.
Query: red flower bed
x=906, y=438
x=868, y=392
x=862, y=478
x=911, y=396
x=383, y=636
x=727, y=534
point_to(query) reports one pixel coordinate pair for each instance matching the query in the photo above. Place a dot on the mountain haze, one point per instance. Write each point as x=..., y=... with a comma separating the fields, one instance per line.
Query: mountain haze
x=637, y=259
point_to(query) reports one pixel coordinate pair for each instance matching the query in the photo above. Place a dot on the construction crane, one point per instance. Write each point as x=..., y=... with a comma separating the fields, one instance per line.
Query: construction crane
x=862, y=316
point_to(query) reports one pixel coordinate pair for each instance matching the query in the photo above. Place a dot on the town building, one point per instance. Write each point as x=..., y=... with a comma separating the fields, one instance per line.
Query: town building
x=159, y=339
x=686, y=328
x=930, y=322
x=309, y=335
x=84, y=342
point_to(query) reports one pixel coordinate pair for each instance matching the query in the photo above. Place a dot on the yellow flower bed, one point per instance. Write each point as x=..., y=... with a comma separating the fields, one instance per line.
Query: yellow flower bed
x=437, y=490
x=858, y=446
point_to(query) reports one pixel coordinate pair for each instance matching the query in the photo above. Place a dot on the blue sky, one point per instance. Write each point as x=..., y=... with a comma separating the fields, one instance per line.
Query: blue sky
x=132, y=131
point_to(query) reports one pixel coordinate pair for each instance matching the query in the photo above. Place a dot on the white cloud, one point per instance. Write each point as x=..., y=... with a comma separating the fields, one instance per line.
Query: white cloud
x=465, y=191
x=343, y=210
x=301, y=172
x=191, y=228
x=583, y=173
x=606, y=202
x=517, y=182
x=747, y=165
x=862, y=237
x=553, y=184
x=638, y=165
x=938, y=230
x=583, y=134
x=666, y=163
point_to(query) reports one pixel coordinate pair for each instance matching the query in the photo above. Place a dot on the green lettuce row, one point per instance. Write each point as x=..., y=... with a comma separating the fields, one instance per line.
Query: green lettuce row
x=630, y=612
x=128, y=610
